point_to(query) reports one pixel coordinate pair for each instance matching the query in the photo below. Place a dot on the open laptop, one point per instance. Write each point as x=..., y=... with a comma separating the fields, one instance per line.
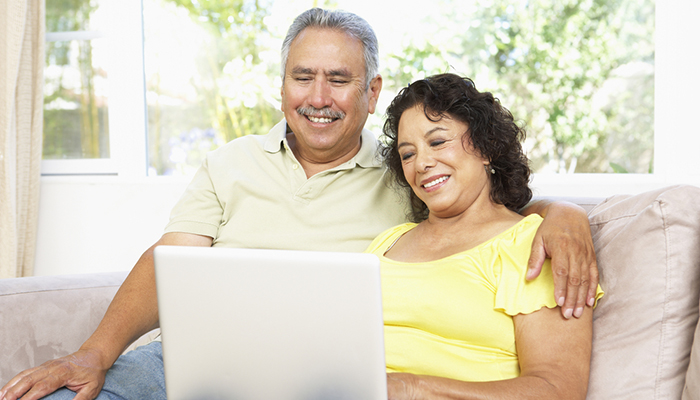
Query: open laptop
x=270, y=324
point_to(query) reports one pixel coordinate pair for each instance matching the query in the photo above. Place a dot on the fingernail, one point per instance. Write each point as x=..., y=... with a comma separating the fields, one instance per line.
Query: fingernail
x=568, y=312
x=560, y=301
x=591, y=302
x=579, y=312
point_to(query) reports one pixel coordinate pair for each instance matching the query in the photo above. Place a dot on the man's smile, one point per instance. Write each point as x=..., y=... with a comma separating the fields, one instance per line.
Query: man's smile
x=320, y=115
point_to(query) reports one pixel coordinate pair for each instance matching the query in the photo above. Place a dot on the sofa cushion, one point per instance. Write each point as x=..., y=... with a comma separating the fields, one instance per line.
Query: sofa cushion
x=48, y=317
x=692, y=377
x=648, y=247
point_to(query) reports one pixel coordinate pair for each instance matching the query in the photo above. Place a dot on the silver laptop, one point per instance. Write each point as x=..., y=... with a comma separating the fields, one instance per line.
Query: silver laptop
x=270, y=324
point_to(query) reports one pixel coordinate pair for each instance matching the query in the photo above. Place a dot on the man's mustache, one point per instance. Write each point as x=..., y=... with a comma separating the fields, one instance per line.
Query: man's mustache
x=320, y=112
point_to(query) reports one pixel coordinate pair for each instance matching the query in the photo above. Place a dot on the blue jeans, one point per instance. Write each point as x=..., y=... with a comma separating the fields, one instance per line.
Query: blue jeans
x=136, y=375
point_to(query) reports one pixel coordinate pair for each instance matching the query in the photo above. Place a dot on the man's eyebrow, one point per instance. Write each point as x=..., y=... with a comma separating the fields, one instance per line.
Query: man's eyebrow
x=310, y=71
x=302, y=70
x=339, y=72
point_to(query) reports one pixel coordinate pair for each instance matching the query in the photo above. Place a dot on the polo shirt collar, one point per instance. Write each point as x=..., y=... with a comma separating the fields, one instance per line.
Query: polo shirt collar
x=367, y=157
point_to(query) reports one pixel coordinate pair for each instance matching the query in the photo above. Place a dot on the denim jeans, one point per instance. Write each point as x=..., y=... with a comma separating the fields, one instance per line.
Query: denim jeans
x=136, y=375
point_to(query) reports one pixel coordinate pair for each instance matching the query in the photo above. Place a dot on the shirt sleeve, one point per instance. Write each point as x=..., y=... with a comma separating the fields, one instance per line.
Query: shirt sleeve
x=199, y=210
x=515, y=294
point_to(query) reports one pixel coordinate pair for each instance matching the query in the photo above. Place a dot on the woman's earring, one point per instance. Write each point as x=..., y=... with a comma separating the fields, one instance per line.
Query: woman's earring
x=489, y=168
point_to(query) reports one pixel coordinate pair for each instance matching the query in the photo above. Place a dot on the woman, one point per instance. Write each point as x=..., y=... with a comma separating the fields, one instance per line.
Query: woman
x=460, y=319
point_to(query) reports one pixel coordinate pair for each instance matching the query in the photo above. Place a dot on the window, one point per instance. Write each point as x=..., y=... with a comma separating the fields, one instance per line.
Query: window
x=196, y=100
x=578, y=74
x=93, y=68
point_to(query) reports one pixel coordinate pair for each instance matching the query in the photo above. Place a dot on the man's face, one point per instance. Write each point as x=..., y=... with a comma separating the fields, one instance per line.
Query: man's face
x=324, y=95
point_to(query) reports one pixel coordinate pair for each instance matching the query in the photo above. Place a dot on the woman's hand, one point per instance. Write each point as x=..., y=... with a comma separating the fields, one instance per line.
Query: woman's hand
x=565, y=237
x=402, y=386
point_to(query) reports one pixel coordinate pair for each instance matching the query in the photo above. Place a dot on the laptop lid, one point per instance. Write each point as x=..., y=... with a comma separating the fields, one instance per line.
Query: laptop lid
x=270, y=324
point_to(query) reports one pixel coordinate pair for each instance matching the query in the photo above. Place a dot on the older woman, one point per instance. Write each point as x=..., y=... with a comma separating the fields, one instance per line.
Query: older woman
x=461, y=321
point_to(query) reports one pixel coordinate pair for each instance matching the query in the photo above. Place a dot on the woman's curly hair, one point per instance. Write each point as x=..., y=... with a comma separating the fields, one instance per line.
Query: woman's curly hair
x=491, y=131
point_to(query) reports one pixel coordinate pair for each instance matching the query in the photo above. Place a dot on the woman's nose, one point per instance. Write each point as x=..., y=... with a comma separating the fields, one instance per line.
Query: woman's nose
x=424, y=161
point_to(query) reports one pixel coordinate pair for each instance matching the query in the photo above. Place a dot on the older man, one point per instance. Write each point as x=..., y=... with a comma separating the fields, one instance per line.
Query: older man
x=314, y=183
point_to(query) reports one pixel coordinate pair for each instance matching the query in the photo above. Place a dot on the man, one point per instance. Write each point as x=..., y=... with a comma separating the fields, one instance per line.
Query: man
x=312, y=183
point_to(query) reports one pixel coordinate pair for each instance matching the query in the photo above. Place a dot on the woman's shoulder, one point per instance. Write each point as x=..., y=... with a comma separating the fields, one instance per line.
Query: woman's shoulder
x=519, y=233
x=385, y=239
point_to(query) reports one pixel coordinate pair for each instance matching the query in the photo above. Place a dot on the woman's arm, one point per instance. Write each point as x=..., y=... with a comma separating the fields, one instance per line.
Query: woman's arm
x=565, y=237
x=554, y=356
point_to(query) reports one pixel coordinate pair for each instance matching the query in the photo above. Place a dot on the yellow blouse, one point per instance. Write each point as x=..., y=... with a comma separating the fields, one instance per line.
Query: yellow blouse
x=453, y=317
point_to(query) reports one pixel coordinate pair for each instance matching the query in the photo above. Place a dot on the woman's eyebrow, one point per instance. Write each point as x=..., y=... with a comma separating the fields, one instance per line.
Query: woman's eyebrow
x=425, y=135
x=431, y=131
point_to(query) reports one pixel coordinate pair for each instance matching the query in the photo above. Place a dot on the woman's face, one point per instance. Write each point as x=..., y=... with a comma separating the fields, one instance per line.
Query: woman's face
x=445, y=173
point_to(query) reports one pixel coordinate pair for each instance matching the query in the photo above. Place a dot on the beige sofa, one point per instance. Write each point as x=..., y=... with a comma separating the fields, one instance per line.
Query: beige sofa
x=648, y=249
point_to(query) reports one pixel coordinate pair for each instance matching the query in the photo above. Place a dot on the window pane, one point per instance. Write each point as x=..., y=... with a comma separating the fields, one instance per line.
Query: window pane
x=578, y=75
x=210, y=77
x=75, y=82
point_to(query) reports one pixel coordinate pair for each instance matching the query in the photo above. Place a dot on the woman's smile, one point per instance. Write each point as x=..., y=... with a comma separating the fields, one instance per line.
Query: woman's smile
x=433, y=183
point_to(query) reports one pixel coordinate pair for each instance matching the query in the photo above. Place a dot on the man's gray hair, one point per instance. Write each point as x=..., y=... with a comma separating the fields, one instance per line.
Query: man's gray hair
x=349, y=23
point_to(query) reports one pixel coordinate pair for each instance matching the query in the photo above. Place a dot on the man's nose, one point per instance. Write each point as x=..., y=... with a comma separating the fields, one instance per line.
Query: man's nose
x=320, y=95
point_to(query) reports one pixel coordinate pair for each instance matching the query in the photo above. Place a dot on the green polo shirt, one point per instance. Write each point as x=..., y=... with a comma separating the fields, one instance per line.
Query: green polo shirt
x=253, y=193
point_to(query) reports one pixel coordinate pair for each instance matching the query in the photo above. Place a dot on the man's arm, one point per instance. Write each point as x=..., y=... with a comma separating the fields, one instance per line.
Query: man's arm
x=565, y=237
x=132, y=313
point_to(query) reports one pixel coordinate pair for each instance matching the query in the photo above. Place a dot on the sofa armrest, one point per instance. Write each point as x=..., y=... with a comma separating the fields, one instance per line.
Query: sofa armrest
x=42, y=318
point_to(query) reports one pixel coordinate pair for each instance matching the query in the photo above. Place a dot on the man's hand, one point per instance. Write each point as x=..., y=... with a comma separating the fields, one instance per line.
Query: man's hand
x=82, y=372
x=565, y=237
x=133, y=312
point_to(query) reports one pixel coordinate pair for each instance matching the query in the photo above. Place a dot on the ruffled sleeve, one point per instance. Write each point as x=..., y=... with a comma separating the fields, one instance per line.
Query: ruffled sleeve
x=509, y=255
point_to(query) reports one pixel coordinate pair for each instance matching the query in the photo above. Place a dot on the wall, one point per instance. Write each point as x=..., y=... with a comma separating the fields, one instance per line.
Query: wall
x=100, y=224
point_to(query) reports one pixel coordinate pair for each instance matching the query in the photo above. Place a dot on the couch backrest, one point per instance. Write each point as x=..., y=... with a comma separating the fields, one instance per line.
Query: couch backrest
x=648, y=251
x=42, y=318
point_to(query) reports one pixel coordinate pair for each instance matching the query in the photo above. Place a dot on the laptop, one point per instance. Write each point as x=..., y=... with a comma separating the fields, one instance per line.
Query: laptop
x=270, y=324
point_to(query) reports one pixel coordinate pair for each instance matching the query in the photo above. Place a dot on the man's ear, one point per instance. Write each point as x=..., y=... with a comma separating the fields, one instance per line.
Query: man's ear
x=282, y=97
x=375, y=87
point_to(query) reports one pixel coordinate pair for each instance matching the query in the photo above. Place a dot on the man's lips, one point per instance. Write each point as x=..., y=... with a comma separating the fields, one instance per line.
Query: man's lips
x=320, y=115
x=320, y=120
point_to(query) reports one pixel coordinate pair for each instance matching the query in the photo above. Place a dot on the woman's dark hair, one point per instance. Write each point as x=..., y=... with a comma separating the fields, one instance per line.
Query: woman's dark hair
x=491, y=131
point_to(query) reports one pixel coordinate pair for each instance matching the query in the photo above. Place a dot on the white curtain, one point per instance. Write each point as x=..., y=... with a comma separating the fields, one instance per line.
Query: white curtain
x=21, y=121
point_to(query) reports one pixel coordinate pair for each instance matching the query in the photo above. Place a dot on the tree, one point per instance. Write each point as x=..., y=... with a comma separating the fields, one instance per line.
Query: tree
x=75, y=123
x=553, y=64
x=234, y=84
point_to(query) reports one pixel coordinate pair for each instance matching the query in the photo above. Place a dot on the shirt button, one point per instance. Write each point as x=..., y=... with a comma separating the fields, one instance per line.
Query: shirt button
x=295, y=166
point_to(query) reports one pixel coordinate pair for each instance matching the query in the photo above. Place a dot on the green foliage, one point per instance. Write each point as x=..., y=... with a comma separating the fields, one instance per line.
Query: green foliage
x=619, y=169
x=75, y=123
x=578, y=74
x=234, y=83
x=557, y=65
x=68, y=15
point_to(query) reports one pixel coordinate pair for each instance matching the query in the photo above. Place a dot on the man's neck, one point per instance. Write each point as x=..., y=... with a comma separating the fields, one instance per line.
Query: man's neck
x=314, y=163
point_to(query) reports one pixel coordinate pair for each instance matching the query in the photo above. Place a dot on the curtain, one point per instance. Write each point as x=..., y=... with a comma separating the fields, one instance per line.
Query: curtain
x=21, y=121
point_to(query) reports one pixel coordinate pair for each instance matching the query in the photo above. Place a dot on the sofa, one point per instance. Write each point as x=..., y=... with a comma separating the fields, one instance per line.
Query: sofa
x=646, y=342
